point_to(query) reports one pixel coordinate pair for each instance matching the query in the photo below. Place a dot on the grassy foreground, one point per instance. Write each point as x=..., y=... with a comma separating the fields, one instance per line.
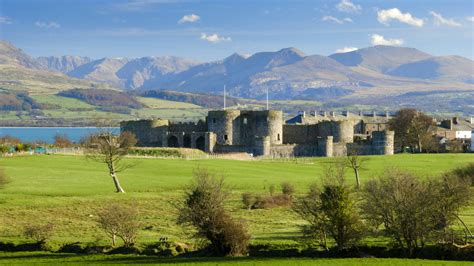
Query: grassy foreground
x=68, y=191
x=69, y=259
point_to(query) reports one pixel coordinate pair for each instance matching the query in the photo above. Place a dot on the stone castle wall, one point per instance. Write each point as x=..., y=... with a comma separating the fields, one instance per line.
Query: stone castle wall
x=261, y=133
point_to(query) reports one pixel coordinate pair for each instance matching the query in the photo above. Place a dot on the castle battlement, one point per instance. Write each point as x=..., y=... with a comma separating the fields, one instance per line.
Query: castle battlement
x=264, y=133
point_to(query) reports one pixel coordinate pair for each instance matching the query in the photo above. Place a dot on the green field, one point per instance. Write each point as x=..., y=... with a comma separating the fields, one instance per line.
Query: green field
x=68, y=191
x=24, y=258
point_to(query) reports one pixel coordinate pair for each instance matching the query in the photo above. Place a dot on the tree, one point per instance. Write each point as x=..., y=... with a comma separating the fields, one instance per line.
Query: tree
x=331, y=211
x=411, y=128
x=62, y=141
x=203, y=209
x=105, y=147
x=118, y=220
x=413, y=210
x=355, y=162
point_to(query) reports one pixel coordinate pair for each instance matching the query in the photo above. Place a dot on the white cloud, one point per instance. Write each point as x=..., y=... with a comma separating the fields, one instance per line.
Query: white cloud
x=337, y=20
x=45, y=24
x=380, y=40
x=386, y=15
x=440, y=20
x=346, y=49
x=5, y=20
x=348, y=7
x=138, y=5
x=471, y=19
x=214, y=38
x=189, y=19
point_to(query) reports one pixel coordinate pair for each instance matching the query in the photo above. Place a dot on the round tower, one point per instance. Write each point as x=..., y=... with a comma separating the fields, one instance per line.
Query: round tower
x=275, y=127
x=383, y=142
x=344, y=131
x=221, y=122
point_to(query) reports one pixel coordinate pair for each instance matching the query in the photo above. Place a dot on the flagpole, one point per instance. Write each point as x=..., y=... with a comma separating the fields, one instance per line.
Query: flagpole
x=224, y=97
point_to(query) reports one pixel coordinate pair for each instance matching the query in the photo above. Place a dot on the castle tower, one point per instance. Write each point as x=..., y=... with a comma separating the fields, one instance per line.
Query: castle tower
x=383, y=142
x=262, y=146
x=222, y=123
x=344, y=131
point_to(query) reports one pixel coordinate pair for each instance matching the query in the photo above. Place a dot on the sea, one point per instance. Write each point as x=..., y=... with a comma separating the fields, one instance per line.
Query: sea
x=47, y=134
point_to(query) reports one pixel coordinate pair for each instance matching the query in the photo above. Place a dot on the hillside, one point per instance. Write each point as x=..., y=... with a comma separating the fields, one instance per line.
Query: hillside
x=361, y=79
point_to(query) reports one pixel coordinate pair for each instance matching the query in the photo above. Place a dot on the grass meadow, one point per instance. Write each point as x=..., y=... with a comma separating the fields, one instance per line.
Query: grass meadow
x=68, y=191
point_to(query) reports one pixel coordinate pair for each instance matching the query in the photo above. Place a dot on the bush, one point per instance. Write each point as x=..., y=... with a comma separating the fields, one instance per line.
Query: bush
x=118, y=220
x=62, y=141
x=4, y=179
x=203, y=208
x=411, y=210
x=248, y=200
x=466, y=173
x=39, y=233
x=287, y=189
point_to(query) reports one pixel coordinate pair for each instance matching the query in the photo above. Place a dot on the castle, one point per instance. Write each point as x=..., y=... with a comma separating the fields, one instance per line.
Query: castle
x=264, y=133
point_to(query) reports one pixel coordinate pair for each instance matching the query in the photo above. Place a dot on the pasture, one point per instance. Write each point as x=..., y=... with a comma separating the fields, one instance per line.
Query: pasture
x=68, y=191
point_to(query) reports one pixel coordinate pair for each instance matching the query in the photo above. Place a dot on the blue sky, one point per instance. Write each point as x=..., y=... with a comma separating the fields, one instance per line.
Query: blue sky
x=210, y=30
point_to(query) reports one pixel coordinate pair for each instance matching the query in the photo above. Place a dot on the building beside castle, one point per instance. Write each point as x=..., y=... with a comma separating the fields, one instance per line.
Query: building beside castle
x=264, y=133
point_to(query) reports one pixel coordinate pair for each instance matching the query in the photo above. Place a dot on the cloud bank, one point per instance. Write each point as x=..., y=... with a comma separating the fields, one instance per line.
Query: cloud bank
x=377, y=39
x=214, y=38
x=189, y=19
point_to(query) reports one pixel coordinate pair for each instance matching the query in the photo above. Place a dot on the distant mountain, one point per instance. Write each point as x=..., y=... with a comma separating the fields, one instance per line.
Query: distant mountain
x=11, y=55
x=64, y=63
x=102, y=70
x=130, y=73
x=21, y=72
x=380, y=71
x=380, y=58
x=453, y=68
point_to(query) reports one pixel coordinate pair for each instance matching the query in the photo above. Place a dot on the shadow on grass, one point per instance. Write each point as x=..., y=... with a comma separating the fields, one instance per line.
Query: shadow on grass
x=114, y=259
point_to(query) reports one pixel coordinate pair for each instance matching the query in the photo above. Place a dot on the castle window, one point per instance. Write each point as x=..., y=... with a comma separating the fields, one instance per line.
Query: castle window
x=214, y=120
x=245, y=121
x=278, y=137
x=225, y=137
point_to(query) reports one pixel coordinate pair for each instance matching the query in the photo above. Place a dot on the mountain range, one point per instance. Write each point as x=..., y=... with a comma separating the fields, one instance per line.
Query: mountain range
x=285, y=74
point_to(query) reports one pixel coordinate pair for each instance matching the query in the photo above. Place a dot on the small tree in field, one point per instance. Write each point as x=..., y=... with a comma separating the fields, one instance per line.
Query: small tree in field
x=331, y=211
x=118, y=220
x=356, y=163
x=203, y=208
x=39, y=233
x=110, y=149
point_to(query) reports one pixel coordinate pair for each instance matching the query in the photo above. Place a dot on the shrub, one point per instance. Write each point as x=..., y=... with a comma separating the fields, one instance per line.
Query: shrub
x=118, y=220
x=331, y=211
x=203, y=208
x=413, y=210
x=39, y=233
x=466, y=173
x=248, y=200
x=287, y=189
x=62, y=141
x=271, y=189
x=4, y=179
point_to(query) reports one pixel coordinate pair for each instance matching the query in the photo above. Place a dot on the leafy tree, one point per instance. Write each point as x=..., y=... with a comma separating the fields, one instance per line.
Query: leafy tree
x=110, y=149
x=331, y=212
x=411, y=128
x=203, y=209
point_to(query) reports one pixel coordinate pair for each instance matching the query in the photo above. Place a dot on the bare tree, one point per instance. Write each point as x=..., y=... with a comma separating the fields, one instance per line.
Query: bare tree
x=118, y=220
x=355, y=162
x=62, y=141
x=110, y=149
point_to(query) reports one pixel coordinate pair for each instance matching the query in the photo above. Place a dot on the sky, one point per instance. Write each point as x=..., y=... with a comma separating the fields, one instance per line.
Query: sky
x=212, y=30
